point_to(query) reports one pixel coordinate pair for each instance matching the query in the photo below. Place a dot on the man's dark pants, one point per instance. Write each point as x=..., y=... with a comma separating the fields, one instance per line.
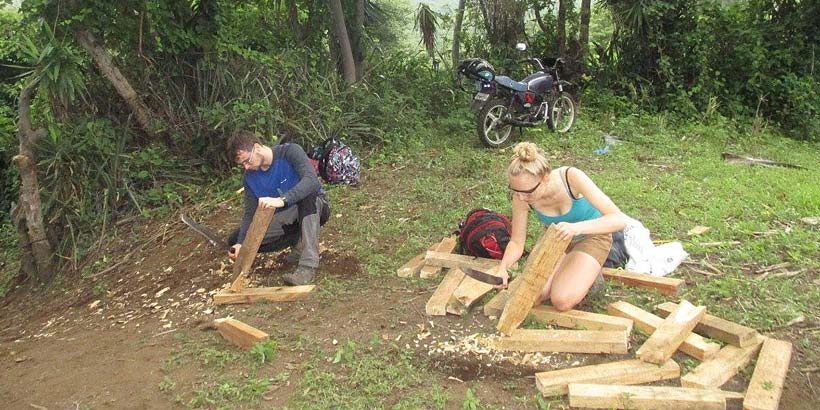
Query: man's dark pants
x=296, y=226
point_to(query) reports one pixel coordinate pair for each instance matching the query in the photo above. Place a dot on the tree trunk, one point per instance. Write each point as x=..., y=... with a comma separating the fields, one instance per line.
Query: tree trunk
x=561, y=36
x=34, y=243
x=28, y=268
x=293, y=20
x=348, y=64
x=504, y=20
x=583, y=35
x=457, y=33
x=358, y=39
x=102, y=58
x=488, y=23
x=539, y=20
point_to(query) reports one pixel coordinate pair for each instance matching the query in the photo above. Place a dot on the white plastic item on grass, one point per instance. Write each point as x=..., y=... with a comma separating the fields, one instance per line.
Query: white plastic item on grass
x=644, y=256
x=667, y=257
x=638, y=245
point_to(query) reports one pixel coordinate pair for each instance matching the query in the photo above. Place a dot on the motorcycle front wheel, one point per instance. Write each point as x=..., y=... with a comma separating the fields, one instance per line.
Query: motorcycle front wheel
x=562, y=114
x=492, y=130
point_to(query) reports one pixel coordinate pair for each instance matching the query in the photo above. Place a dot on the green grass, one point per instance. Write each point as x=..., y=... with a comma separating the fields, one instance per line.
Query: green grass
x=229, y=378
x=361, y=377
x=667, y=173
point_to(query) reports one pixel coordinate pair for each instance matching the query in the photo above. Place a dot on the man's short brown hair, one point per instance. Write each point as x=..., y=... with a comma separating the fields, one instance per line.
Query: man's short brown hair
x=242, y=141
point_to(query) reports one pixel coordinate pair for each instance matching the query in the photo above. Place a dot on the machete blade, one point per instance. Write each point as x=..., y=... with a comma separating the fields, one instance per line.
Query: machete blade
x=206, y=232
x=481, y=276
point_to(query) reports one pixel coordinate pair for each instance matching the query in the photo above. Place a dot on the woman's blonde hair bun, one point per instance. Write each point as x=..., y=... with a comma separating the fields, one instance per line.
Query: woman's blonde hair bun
x=527, y=151
x=528, y=158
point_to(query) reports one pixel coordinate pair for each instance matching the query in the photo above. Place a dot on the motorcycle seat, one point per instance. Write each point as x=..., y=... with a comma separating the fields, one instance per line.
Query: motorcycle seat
x=510, y=83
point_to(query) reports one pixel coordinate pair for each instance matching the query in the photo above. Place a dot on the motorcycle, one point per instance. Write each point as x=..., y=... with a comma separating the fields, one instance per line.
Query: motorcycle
x=503, y=103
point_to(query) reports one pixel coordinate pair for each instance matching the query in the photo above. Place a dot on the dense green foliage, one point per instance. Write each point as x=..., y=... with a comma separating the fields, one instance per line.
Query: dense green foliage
x=207, y=68
x=747, y=58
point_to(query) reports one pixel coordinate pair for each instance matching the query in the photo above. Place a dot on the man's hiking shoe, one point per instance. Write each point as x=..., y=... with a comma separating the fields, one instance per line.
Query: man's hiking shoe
x=293, y=257
x=303, y=275
x=597, y=286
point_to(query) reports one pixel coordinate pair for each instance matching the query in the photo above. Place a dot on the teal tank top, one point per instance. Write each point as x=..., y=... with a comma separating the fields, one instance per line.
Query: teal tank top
x=581, y=210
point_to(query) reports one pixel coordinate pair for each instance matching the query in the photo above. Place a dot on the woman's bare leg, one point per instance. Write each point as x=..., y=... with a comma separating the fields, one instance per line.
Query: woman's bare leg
x=573, y=277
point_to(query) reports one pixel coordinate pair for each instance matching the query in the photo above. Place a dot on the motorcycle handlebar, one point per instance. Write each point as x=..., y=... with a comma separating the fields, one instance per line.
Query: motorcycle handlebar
x=534, y=61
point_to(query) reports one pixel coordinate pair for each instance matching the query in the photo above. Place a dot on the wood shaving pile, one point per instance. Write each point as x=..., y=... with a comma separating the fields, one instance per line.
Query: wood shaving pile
x=482, y=347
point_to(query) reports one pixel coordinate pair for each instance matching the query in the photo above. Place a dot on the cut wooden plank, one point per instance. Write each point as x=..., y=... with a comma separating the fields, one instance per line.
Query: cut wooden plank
x=569, y=341
x=666, y=286
x=496, y=305
x=413, y=266
x=713, y=373
x=250, y=246
x=694, y=345
x=466, y=294
x=272, y=294
x=630, y=372
x=437, y=305
x=603, y=396
x=671, y=333
x=766, y=385
x=539, y=268
x=447, y=245
x=717, y=328
x=578, y=319
x=451, y=260
x=239, y=333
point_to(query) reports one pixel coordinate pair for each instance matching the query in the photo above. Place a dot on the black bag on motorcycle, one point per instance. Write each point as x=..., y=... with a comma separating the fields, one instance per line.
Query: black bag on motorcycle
x=477, y=69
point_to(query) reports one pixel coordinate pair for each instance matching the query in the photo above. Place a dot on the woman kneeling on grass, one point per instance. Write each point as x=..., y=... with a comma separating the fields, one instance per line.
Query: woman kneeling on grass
x=567, y=198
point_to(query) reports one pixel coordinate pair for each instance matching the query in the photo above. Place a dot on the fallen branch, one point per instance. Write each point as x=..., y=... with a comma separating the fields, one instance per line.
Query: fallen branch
x=738, y=159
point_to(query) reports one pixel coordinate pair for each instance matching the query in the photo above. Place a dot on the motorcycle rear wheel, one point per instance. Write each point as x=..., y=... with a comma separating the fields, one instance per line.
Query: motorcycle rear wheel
x=492, y=131
x=562, y=113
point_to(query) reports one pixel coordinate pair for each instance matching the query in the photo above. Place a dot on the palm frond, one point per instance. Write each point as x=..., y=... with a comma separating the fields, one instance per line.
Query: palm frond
x=427, y=25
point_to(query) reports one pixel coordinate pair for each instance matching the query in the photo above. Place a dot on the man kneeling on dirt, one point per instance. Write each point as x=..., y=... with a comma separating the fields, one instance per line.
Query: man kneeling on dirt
x=281, y=177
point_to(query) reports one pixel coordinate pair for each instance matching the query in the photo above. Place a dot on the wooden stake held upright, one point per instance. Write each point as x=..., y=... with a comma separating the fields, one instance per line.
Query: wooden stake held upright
x=247, y=253
x=539, y=268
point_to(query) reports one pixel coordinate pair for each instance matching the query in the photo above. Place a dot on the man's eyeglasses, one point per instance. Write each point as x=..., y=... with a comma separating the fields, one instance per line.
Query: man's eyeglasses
x=526, y=192
x=248, y=160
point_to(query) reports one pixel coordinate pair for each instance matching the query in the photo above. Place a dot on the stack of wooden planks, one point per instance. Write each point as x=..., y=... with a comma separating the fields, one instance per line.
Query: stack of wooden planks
x=457, y=292
x=610, y=385
x=676, y=327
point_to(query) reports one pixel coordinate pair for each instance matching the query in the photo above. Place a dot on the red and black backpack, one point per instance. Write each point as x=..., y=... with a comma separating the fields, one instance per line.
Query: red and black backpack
x=484, y=233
